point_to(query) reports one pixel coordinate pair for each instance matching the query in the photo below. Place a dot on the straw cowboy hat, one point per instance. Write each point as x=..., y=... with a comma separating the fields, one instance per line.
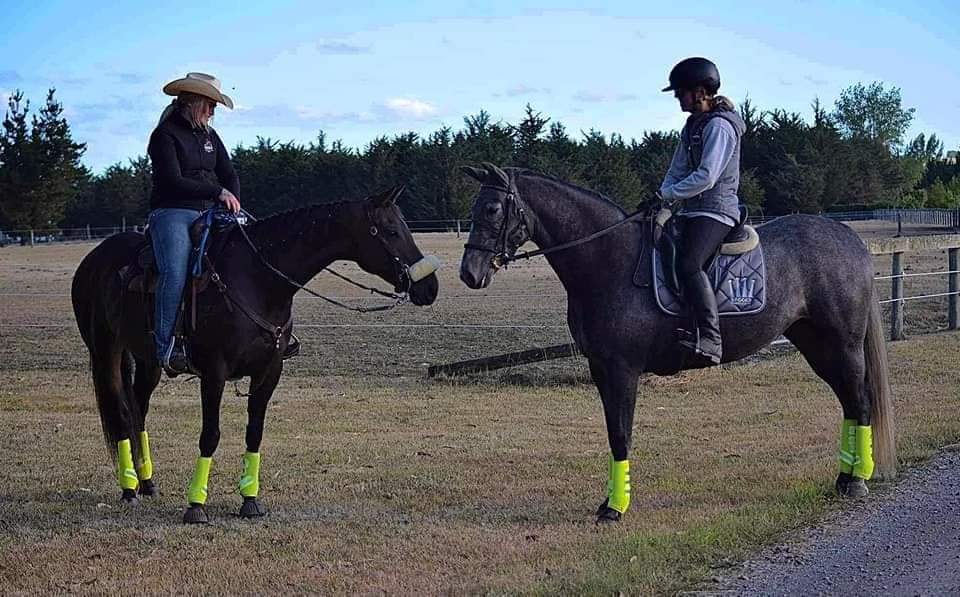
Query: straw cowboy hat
x=201, y=84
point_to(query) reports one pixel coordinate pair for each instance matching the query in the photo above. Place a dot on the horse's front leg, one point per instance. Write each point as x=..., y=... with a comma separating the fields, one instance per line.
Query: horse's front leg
x=211, y=393
x=260, y=393
x=617, y=382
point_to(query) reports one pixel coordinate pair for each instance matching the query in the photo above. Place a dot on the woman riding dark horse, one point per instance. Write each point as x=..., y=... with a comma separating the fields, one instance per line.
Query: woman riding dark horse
x=192, y=172
x=703, y=178
x=243, y=328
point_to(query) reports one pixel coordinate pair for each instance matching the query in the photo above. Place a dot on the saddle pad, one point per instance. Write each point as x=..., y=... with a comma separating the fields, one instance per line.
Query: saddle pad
x=739, y=281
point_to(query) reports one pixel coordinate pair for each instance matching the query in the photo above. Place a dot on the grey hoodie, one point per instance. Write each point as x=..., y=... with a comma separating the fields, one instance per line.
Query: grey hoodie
x=712, y=185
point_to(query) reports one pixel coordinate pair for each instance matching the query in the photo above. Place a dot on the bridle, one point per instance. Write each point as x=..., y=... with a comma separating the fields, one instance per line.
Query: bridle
x=403, y=271
x=504, y=251
x=405, y=277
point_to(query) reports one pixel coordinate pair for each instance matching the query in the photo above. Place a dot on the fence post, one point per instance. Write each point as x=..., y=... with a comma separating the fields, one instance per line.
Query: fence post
x=123, y=224
x=88, y=231
x=952, y=288
x=458, y=228
x=896, y=295
x=31, y=238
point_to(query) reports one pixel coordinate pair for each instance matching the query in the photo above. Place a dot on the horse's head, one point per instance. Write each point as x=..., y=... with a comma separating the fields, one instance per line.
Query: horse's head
x=386, y=249
x=500, y=225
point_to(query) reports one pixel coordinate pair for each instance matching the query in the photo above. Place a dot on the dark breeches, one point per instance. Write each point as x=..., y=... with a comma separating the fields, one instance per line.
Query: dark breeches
x=702, y=237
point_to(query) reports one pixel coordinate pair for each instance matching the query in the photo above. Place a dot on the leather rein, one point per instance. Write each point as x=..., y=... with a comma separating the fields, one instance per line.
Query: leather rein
x=277, y=331
x=503, y=255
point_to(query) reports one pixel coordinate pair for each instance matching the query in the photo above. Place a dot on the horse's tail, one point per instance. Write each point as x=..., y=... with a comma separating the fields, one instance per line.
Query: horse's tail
x=881, y=397
x=111, y=366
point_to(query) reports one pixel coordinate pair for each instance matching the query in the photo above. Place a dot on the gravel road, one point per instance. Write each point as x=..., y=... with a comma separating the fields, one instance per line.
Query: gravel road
x=904, y=541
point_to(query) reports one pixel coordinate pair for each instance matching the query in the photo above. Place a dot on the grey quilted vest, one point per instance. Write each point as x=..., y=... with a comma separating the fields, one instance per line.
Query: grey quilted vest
x=722, y=198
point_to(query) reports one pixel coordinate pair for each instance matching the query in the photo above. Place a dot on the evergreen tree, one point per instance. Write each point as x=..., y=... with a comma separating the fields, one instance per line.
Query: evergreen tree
x=41, y=173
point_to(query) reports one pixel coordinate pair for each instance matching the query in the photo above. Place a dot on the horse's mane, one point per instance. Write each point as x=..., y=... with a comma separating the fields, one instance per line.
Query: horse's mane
x=285, y=220
x=589, y=193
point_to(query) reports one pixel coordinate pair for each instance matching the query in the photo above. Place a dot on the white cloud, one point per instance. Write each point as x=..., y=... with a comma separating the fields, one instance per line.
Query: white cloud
x=411, y=108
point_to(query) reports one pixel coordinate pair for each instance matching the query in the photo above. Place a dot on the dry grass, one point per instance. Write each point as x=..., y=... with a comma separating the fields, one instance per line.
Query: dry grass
x=389, y=482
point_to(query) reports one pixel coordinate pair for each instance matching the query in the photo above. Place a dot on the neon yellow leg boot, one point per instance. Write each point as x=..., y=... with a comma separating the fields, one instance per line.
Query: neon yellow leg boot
x=145, y=467
x=197, y=492
x=855, y=458
x=618, y=491
x=250, y=486
x=863, y=467
x=250, y=481
x=848, y=446
x=126, y=474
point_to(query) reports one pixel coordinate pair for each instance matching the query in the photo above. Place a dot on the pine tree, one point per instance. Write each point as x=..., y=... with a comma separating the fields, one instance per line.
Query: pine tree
x=41, y=172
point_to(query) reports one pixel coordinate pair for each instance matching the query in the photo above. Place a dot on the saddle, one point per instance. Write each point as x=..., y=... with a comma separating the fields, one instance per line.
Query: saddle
x=208, y=234
x=738, y=270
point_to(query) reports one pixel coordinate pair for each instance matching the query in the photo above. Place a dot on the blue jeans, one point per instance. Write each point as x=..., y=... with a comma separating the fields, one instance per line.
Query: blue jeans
x=170, y=234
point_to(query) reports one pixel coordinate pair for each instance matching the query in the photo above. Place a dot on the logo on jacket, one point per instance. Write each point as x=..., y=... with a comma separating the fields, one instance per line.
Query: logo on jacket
x=741, y=290
x=208, y=146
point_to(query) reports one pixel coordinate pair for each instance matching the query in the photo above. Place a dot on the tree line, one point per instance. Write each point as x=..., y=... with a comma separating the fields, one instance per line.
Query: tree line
x=853, y=156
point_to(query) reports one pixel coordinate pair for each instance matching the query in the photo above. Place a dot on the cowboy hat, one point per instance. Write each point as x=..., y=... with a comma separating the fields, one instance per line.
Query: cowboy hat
x=200, y=84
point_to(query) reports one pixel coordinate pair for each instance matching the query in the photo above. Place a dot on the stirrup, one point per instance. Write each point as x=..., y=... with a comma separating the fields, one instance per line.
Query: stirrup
x=690, y=341
x=292, y=349
x=176, y=361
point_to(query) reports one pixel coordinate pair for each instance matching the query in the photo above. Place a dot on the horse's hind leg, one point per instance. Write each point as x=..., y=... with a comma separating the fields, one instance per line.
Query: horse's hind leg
x=110, y=385
x=146, y=378
x=840, y=362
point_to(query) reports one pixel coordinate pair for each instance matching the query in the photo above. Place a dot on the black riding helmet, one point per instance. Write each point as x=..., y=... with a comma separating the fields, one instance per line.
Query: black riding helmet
x=692, y=72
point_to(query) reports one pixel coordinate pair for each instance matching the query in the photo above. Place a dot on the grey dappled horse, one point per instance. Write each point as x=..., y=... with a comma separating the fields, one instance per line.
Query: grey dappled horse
x=820, y=295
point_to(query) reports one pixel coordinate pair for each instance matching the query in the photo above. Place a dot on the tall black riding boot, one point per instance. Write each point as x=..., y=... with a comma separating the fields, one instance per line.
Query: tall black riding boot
x=701, y=302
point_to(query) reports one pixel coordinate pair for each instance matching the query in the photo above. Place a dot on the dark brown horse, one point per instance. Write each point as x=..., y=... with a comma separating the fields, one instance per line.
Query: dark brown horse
x=820, y=295
x=259, y=271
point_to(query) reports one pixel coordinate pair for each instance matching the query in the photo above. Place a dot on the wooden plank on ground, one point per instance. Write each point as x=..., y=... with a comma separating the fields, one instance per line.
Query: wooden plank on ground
x=500, y=361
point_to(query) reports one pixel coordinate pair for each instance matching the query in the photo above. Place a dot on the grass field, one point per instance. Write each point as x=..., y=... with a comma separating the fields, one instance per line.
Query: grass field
x=379, y=480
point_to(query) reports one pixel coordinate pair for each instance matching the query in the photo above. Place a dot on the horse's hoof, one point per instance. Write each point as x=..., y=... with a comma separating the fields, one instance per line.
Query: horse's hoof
x=195, y=514
x=602, y=507
x=129, y=497
x=251, y=508
x=607, y=515
x=148, y=488
x=851, y=487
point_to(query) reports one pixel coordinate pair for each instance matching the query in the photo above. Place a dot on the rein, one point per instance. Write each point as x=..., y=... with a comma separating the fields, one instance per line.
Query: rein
x=501, y=256
x=637, y=215
x=276, y=332
x=399, y=299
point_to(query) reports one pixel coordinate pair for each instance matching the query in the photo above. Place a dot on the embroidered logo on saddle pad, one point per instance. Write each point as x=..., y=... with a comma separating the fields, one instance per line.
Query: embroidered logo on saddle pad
x=739, y=281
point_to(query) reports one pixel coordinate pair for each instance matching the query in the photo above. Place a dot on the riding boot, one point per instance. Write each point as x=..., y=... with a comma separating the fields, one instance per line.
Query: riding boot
x=176, y=361
x=704, y=342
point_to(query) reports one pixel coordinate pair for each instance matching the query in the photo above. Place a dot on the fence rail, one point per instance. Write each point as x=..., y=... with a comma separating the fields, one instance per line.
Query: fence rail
x=948, y=218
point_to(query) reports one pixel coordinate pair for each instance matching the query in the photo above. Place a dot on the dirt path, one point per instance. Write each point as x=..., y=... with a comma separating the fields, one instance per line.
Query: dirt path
x=905, y=541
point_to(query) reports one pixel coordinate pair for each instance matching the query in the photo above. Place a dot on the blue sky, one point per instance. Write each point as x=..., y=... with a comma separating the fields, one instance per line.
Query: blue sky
x=361, y=69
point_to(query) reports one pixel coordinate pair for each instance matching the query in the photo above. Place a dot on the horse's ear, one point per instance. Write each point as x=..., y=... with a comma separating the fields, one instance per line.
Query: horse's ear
x=495, y=171
x=475, y=173
x=388, y=198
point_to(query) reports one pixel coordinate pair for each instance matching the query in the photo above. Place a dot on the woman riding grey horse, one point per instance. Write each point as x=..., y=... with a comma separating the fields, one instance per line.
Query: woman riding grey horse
x=703, y=178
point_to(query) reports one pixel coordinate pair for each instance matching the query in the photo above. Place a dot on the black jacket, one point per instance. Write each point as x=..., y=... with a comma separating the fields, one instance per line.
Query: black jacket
x=190, y=166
